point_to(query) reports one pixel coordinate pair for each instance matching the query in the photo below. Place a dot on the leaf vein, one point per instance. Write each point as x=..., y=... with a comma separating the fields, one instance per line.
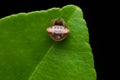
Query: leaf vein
x=51, y=47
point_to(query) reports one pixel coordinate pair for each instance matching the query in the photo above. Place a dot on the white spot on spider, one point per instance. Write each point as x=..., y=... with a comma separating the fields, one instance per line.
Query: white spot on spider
x=58, y=37
x=57, y=29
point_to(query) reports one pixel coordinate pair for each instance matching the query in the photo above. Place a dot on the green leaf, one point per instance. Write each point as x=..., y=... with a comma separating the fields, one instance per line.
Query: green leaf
x=28, y=53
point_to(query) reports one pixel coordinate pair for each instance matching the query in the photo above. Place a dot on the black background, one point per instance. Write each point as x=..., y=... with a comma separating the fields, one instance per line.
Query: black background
x=91, y=10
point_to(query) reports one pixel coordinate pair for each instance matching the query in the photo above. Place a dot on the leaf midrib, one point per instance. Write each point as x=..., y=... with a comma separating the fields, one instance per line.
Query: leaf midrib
x=51, y=47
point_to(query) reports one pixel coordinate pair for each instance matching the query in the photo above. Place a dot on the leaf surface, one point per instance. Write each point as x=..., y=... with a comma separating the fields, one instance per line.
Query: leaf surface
x=28, y=53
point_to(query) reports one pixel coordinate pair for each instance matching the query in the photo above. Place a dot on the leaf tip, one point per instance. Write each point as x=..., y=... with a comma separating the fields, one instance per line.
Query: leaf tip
x=74, y=6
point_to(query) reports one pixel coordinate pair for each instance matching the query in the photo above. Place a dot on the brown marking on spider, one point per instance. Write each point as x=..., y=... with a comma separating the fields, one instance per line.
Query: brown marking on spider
x=58, y=30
